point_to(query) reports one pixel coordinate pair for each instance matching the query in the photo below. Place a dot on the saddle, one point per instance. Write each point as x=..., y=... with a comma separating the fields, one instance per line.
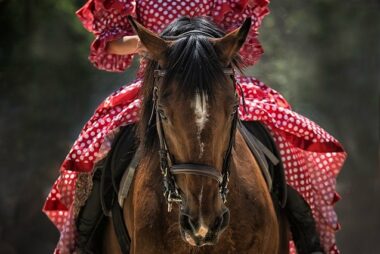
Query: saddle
x=114, y=175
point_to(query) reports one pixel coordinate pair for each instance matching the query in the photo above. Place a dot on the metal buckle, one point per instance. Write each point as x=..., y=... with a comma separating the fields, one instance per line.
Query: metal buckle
x=173, y=198
x=224, y=188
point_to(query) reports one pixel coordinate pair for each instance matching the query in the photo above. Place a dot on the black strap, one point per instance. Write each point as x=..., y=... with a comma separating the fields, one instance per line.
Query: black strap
x=120, y=228
x=261, y=133
x=185, y=34
x=252, y=144
x=122, y=151
x=260, y=145
x=161, y=73
x=120, y=154
x=196, y=169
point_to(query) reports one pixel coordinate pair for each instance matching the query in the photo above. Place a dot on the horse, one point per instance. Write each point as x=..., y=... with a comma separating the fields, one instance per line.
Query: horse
x=216, y=199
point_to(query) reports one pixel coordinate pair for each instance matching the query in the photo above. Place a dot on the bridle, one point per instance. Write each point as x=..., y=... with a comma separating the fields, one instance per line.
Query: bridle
x=169, y=168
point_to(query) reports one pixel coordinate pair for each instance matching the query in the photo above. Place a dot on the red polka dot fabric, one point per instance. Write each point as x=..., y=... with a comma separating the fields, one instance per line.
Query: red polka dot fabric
x=312, y=158
x=107, y=20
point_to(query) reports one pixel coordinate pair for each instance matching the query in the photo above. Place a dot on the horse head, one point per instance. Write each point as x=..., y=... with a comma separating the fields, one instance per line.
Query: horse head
x=189, y=115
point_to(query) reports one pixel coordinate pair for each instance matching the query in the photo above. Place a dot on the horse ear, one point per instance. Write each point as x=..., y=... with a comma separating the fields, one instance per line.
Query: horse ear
x=156, y=46
x=231, y=43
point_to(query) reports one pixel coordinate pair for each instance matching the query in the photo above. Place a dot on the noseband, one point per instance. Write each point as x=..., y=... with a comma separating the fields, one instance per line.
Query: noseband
x=169, y=168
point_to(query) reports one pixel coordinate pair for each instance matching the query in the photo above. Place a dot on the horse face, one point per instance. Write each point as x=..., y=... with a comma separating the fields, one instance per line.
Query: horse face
x=197, y=128
x=197, y=131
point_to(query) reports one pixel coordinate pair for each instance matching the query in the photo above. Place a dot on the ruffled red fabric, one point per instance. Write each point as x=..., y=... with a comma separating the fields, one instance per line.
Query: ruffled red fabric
x=107, y=20
x=312, y=158
x=93, y=144
x=230, y=14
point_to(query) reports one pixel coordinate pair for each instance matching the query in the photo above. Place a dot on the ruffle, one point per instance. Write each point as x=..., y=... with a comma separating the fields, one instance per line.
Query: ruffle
x=73, y=186
x=106, y=61
x=95, y=15
x=230, y=14
x=107, y=20
x=312, y=158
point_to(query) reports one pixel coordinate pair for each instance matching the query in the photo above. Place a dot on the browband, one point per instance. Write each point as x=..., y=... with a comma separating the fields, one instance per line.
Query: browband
x=162, y=73
x=193, y=32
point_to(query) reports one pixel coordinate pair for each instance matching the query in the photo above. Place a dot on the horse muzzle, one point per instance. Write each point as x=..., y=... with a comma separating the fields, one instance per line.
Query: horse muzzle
x=195, y=233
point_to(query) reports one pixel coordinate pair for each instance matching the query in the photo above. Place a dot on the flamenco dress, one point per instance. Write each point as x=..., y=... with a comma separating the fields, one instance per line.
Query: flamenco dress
x=311, y=157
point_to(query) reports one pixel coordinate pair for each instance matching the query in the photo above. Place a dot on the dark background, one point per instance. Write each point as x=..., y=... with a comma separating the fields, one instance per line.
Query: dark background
x=323, y=55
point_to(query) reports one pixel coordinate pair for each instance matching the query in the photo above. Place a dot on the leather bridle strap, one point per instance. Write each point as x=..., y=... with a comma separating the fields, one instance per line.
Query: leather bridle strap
x=196, y=169
x=164, y=154
x=169, y=168
x=162, y=73
x=228, y=155
x=170, y=189
x=186, y=34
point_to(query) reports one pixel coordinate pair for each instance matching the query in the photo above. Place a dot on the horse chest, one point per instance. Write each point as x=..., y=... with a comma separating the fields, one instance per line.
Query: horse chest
x=157, y=231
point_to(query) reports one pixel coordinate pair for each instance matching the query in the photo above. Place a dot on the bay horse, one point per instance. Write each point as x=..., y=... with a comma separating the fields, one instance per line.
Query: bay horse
x=190, y=147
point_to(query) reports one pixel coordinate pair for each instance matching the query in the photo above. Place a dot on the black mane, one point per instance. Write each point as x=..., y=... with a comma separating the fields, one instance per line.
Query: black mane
x=191, y=61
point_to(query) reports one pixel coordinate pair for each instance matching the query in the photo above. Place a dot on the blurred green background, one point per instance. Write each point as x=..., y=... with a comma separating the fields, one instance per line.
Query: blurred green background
x=323, y=55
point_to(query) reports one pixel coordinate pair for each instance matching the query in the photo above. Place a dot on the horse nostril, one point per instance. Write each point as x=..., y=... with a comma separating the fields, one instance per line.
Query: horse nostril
x=226, y=219
x=222, y=221
x=187, y=223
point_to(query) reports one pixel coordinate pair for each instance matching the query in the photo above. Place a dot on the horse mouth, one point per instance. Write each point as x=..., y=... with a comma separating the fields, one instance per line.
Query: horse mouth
x=199, y=241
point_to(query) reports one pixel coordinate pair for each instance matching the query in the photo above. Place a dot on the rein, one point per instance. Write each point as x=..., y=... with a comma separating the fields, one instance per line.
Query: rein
x=169, y=169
